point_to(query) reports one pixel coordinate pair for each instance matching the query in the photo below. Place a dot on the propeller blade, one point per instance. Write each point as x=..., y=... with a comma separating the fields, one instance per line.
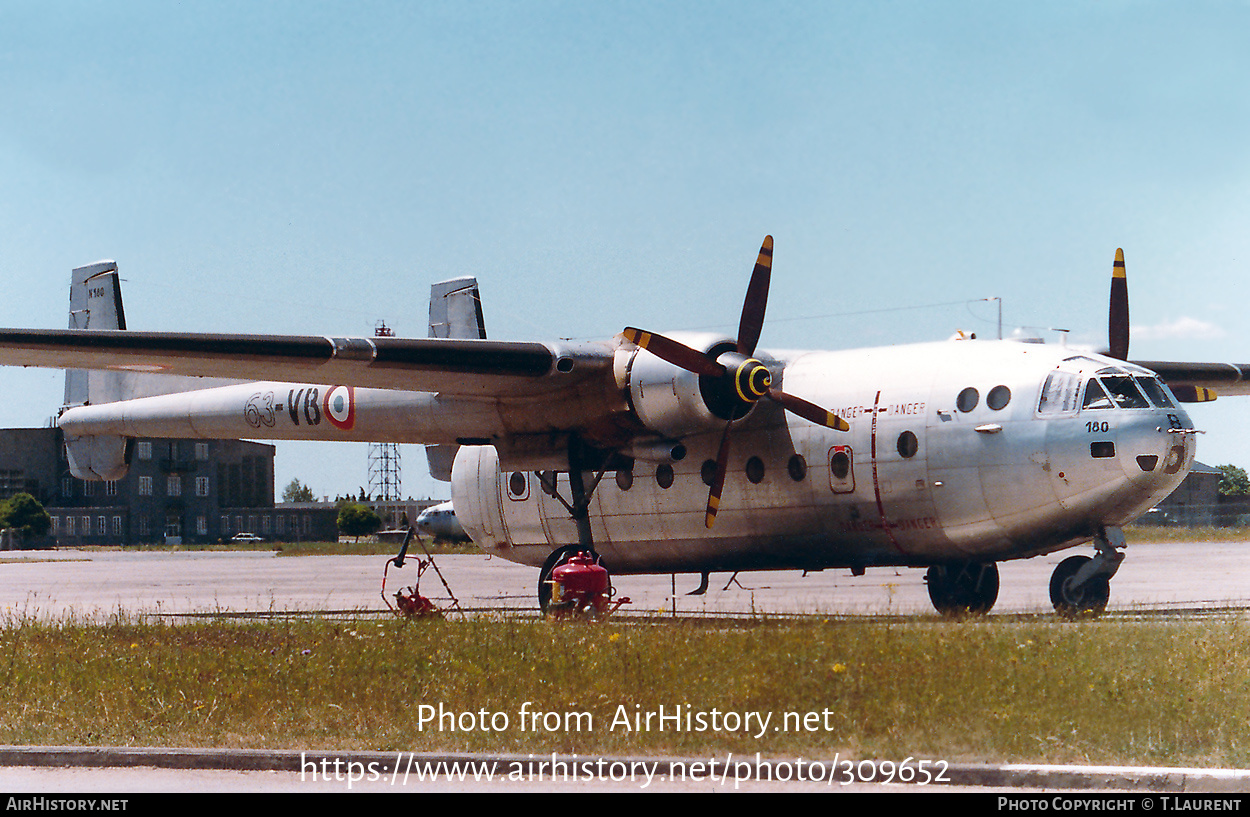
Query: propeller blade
x=1117, y=323
x=679, y=354
x=752, y=322
x=808, y=410
x=718, y=481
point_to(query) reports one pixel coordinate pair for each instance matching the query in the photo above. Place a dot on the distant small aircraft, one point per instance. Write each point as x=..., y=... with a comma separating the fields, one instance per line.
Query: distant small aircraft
x=439, y=522
x=682, y=452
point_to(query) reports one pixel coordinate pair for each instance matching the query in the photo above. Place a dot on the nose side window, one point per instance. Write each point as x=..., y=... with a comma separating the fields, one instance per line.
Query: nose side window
x=1059, y=393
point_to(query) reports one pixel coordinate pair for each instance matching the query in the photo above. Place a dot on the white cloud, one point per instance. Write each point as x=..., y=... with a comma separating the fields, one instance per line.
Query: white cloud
x=1179, y=329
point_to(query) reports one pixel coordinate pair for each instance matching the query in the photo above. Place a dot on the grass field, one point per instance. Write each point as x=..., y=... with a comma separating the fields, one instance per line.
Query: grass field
x=1156, y=533
x=1155, y=693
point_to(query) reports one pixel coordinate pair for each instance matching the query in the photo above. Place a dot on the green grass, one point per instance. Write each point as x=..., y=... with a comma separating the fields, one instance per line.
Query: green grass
x=1155, y=693
x=1156, y=533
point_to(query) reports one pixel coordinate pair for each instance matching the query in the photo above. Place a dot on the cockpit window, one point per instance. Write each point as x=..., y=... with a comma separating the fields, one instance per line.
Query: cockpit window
x=1096, y=396
x=1124, y=392
x=1114, y=391
x=1155, y=391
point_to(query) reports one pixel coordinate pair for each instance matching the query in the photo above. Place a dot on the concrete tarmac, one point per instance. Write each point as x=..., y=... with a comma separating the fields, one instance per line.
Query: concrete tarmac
x=1154, y=578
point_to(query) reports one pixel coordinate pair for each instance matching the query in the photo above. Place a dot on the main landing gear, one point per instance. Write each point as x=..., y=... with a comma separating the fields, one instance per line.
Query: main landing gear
x=574, y=581
x=963, y=588
x=575, y=584
x=1081, y=586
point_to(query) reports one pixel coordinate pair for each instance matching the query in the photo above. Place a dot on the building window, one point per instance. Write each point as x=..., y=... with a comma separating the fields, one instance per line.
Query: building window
x=110, y=488
x=56, y=525
x=143, y=525
x=225, y=525
x=88, y=488
x=173, y=485
x=86, y=526
x=201, y=525
x=145, y=486
x=307, y=524
x=69, y=526
x=201, y=451
x=67, y=487
x=264, y=525
x=117, y=526
x=145, y=450
x=201, y=486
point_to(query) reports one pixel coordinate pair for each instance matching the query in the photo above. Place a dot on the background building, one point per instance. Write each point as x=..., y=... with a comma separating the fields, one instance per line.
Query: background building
x=196, y=491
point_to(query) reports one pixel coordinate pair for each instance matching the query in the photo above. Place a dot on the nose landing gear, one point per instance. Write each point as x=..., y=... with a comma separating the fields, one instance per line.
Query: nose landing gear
x=1080, y=586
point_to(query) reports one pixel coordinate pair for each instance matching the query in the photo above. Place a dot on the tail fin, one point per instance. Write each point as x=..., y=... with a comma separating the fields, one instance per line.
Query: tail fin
x=455, y=312
x=95, y=302
x=456, y=309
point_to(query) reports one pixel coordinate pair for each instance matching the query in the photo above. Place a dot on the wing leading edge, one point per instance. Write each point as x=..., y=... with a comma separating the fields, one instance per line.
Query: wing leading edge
x=471, y=368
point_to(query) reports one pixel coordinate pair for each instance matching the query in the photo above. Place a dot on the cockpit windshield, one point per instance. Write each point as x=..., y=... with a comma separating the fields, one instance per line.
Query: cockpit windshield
x=1126, y=392
x=1109, y=388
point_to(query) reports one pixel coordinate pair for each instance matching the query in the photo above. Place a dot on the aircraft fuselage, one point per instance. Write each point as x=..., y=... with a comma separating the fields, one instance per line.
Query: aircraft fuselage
x=953, y=454
x=957, y=451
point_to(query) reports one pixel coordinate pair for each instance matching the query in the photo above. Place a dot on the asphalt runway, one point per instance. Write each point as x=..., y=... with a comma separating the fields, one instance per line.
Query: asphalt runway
x=1154, y=579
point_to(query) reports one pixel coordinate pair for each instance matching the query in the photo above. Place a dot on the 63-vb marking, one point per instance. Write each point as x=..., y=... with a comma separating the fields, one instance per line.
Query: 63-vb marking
x=338, y=406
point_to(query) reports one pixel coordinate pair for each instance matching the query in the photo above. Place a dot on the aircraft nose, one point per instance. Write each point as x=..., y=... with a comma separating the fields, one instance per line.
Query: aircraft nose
x=1156, y=449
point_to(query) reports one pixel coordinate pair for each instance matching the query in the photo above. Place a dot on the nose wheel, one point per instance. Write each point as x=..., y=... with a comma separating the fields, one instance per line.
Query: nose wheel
x=1073, y=598
x=1081, y=586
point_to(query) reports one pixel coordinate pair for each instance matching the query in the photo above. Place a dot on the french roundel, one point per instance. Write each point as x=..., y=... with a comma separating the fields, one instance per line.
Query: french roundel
x=340, y=407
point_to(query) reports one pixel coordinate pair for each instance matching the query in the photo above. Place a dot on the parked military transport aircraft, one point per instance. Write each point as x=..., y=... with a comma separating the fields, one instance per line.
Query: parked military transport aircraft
x=683, y=453
x=440, y=522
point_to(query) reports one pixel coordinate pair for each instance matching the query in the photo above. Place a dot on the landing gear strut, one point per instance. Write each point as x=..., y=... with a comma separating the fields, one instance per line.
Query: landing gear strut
x=966, y=588
x=1081, y=586
x=573, y=580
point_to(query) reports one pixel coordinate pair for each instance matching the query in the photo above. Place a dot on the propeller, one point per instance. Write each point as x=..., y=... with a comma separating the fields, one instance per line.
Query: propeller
x=736, y=379
x=1117, y=322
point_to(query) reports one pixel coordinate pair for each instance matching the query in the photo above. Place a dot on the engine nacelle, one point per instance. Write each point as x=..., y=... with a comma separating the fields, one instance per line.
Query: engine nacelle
x=673, y=402
x=475, y=495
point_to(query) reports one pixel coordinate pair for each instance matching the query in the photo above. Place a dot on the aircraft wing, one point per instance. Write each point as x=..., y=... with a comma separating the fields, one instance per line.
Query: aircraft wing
x=1221, y=378
x=471, y=368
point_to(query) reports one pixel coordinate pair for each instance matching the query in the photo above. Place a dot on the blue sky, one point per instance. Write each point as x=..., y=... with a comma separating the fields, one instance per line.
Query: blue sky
x=312, y=167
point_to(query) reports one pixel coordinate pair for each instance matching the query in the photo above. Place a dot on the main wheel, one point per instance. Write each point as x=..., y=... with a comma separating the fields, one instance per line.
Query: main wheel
x=969, y=588
x=1070, y=601
x=558, y=557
